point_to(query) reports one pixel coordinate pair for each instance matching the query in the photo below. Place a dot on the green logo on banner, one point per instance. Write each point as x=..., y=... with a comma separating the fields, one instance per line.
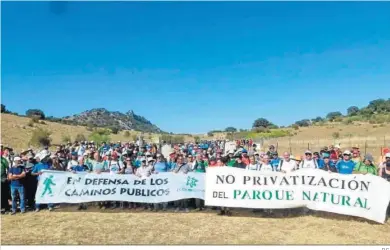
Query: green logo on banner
x=191, y=182
x=48, y=182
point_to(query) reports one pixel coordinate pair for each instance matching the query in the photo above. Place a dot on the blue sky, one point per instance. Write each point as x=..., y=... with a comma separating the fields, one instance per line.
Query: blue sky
x=194, y=67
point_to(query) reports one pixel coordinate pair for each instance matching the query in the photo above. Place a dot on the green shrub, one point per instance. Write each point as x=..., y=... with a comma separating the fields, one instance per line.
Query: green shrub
x=338, y=119
x=99, y=136
x=35, y=119
x=210, y=134
x=347, y=121
x=66, y=139
x=260, y=130
x=295, y=126
x=336, y=135
x=30, y=123
x=115, y=129
x=42, y=122
x=197, y=139
x=40, y=137
x=127, y=134
x=80, y=137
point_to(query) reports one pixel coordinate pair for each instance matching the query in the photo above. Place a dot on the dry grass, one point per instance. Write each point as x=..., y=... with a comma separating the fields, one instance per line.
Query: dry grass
x=17, y=133
x=101, y=228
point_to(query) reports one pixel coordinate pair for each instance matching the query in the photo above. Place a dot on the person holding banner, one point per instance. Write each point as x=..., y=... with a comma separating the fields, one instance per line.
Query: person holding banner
x=181, y=168
x=16, y=175
x=328, y=166
x=160, y=167
x=345, y=166
x=287, y=165
x=366, y=166
x=308, y=162
x=266, y=166
x=239, y=163
x=383, y=165
x=253, y=165
x=37, y=171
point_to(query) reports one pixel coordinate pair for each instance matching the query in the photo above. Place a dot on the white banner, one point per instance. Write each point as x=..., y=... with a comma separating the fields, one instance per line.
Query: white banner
x=364, y=196
x=66, y=187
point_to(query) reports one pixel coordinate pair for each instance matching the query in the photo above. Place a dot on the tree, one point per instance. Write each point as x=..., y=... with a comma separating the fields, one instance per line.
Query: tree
x=3, y=109
x=303, y=123
x=332, y=115
x=317, y=119
x=115, y=129
x=210, y=134
x=40, y=137
x=35, y=113
x=353, y=110
x=230, y=129
x=261, y=122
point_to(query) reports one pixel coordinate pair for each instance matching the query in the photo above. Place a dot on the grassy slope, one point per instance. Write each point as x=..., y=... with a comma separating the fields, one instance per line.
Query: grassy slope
x=16, y=133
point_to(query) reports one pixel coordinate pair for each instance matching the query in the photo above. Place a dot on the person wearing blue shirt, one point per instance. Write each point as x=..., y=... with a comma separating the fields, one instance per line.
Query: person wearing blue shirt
x=346, y=165
x=37, y=171
x=16, y=174
x=320, y=162
x=275, y=162
x=81, y=167
x=160, y=167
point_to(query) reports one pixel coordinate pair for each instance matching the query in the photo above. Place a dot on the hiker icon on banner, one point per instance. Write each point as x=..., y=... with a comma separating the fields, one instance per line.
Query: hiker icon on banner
x=48, y=182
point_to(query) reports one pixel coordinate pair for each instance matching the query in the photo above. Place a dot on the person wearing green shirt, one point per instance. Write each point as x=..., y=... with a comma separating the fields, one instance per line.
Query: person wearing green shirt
x=366, y=166
x=4, y=185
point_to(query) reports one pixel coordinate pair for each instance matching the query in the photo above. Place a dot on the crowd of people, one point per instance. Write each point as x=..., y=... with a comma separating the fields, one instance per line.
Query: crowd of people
x=20, y=173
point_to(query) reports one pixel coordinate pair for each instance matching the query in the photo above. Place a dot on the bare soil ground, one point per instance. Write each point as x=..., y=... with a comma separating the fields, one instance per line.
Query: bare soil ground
x=96, y=227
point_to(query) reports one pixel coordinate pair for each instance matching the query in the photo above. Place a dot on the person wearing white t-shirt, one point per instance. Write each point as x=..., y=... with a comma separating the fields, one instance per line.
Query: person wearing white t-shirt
x=253, y=165
x=266, y=166
x=308, y=162
x=286, y=165
x=73, y=162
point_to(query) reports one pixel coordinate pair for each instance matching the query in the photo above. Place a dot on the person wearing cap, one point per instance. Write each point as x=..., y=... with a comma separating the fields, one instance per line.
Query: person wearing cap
x=5, y=192
x=366, y=166
x=346, y=165
x=245, y=157
x=308, y=162
x=239, y=163
x=230, y=159
x=384, y=164
x=328, y=166
x=287, y=165
x=16, y=175
x=318, y=159
x=275, y=160
x=37, y=171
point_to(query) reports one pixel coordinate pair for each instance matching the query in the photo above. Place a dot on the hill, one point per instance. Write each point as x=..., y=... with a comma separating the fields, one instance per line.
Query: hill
x=103, y=118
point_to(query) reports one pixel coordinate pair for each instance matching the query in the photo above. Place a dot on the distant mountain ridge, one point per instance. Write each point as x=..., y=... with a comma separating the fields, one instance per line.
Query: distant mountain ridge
x=101, y=117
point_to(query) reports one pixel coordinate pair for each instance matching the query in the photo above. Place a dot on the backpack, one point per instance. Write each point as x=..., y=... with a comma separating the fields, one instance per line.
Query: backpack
x=315, y=163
